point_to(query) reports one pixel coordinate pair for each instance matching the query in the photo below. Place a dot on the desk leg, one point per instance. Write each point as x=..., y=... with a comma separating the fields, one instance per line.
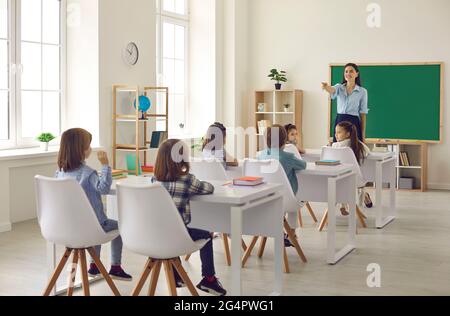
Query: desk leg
x=393, y=193
x=352, y=216
x=236, y=251
x=278, y=248
x=331, y=230
x=380, y=221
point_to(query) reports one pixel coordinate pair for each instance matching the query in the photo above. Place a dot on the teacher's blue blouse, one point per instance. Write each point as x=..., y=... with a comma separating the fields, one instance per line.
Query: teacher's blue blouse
x=354, y=104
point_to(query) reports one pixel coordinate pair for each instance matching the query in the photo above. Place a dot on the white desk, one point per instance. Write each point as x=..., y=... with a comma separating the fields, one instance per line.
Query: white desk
x=312, y=155
x=379, y=168
x=332, y=185
x=251, y=211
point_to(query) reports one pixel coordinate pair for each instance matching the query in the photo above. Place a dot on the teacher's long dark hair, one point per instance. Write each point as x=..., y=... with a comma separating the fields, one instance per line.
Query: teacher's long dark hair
x=358, y=79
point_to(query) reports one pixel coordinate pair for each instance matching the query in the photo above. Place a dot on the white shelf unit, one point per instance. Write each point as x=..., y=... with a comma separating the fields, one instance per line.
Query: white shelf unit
x=418, y=158
x=274, y=110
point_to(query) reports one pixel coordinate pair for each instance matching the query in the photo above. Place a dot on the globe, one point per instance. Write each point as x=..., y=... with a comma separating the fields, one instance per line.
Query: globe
x=144, y=103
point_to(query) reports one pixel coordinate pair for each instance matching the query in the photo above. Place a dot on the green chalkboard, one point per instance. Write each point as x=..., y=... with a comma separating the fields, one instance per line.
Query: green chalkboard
x=404, y=101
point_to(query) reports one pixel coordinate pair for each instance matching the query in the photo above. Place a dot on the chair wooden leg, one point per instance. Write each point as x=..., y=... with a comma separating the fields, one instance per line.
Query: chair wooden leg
x=244, y=246
x=144, y=276
x=286, y=261
x=84, y=273
x=262, y=247
x=311, y=212
x=179, y=268
x=73, y=273
x=300, y=219
x=361, y=216
x=226, y=248
x=187, y=257
x=170, y=277
x=57, y=272
x=103, y=271
x=154, y=278
x=324, y=221
x=294, y=241
x=249, y=250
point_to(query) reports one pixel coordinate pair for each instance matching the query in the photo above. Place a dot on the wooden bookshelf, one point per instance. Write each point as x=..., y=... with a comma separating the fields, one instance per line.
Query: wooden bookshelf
x=275, y=113
x=140, y=121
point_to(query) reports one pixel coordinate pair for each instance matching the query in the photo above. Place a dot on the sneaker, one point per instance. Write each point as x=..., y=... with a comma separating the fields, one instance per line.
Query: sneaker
x=214, y=287
x=93, y=271
x=179, y=283
x=368, y=201
x=117, y=273
x=287, y=242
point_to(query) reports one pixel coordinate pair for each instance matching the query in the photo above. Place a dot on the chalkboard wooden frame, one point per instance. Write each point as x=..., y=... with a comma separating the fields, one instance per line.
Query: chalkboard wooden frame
x=375, y=140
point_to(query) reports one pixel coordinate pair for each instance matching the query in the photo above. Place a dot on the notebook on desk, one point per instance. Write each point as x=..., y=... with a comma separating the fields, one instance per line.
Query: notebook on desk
x=328, y=163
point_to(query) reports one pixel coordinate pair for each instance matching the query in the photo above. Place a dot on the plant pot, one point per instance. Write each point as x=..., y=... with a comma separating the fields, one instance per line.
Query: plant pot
x=44, y=146
x=278, y=86
x=286, y=110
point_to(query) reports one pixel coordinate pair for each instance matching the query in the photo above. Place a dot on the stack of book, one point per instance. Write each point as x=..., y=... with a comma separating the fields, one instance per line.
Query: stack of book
x=148, y=169
x=328, y=163
x=404, y=159
x=119, y=174
x=248, y=181
x=262, y=126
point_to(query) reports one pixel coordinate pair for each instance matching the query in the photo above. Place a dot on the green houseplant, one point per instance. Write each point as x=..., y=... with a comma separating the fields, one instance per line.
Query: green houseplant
x=45, y=138
x=278, y=76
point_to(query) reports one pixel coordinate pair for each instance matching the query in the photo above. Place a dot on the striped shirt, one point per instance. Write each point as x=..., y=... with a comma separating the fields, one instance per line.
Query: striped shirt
x=182, y=190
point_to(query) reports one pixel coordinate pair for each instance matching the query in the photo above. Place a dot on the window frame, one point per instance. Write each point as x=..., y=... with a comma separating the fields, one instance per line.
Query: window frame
x=180, y=20
x=16, y=141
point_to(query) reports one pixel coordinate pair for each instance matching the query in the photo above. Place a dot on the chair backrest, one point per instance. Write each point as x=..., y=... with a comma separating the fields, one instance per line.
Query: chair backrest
x=208, y=169
x=345, y=156
x=290, y=148
x=149, y=222
x=65, y=215
x=273, y=172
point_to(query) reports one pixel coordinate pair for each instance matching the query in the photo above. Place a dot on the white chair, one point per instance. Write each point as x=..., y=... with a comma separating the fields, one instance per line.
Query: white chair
x=66, y=218
x=290, y=148
x=273, y=172
x=345, y=156
x=210, y=170
x=151, y=225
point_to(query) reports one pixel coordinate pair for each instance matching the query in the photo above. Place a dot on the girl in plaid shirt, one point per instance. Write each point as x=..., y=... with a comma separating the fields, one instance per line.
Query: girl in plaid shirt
x=181, y=185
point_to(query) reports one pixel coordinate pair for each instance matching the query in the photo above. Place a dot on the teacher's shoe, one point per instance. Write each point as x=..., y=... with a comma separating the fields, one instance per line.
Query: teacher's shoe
x=368, y=201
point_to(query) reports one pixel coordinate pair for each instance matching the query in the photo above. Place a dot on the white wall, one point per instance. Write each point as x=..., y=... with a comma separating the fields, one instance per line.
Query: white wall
x=121, y=22
x=202, y=65
x=82, y=97
x=305, y=36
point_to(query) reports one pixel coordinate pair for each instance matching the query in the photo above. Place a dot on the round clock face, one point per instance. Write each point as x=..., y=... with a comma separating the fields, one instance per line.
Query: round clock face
x=131, y=54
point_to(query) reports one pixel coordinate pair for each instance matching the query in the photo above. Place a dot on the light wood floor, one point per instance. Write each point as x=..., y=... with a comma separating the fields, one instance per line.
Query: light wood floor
x=413, y=252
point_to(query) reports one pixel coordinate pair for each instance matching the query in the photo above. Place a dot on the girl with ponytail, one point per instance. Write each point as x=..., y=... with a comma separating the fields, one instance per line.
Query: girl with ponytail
x=347, y=136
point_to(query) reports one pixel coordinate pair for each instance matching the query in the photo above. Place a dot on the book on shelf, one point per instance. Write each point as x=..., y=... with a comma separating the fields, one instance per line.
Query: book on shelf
x=407, y=159
x=328, y=163
x=263, y=125
x=158, y=138
x=248, y=181
x=119, y=174
x=404, y=159
x=148, y=169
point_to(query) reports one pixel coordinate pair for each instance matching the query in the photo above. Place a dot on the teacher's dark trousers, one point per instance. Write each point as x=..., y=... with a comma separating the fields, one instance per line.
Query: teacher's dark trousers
x=355, y=120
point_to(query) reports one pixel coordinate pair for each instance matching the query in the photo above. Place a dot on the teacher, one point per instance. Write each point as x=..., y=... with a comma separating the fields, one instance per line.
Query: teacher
x=351, y=100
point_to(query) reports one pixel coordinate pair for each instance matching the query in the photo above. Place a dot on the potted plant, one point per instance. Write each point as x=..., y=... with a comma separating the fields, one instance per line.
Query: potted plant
x=278, y=76
x=45, y=138
x=286, y=107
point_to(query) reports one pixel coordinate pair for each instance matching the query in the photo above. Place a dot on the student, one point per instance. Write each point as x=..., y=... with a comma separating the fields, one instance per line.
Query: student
x=75, y=148
x=214, y=145
x=347, y=136
x=287, y=160
x=292, y=137
x=181, y=185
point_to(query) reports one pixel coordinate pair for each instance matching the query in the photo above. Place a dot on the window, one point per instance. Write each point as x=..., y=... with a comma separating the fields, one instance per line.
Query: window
x=31, y=89
x=172, y=62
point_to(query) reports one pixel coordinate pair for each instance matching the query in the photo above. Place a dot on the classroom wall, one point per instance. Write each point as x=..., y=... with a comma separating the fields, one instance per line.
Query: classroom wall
x=304, y=36
x=121, y=22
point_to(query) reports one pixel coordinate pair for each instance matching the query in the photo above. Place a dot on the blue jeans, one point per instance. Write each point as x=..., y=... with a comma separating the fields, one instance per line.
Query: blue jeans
x=206, y=253
x=116, y=244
